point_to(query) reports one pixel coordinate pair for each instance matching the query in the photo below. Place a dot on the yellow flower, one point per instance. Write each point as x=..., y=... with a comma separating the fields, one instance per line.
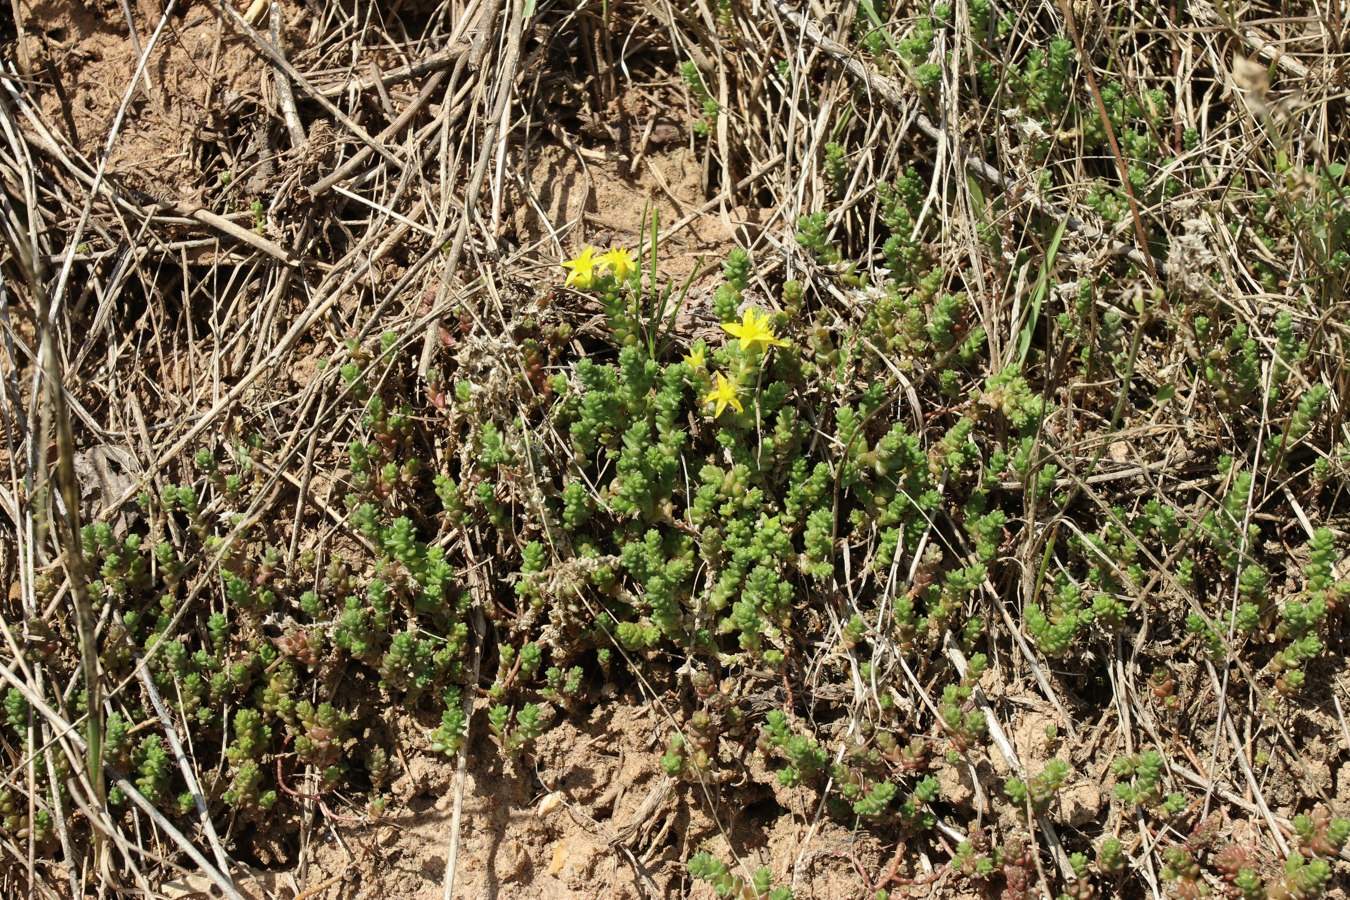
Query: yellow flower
x=753, y=329
x=724, y=394
x=695, y=359
x=582, y=269
x=619, y=262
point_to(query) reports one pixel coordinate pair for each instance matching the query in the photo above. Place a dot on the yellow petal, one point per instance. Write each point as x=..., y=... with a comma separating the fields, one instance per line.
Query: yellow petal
x=722, y=394
x=619, y=262
x=581, y=268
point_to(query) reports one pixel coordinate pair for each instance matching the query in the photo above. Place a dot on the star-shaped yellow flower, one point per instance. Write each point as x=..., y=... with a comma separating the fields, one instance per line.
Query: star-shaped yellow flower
x=581, y=269
x=723, y=395
x=753, y=329
x=619, y=262
x=696, y=357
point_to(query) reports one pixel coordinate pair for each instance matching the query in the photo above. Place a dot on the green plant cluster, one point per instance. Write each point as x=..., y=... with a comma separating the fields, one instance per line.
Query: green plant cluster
x=1204, y=563
x=758, y=505
x=698, y=89
x=1008, y=426
x=248, y=641
x=1139, y=154
x=706, y=867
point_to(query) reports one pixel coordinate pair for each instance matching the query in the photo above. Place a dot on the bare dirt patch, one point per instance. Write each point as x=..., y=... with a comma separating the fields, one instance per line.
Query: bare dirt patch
x=603, y=201
x=200, y=78
x=592, y=815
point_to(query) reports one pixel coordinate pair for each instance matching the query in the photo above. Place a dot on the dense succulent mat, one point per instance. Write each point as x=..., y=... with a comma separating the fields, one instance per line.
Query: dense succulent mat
x=980, y=490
